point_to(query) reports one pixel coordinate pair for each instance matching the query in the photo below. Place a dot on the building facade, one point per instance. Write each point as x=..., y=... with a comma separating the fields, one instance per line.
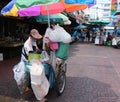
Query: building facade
x=102, y=10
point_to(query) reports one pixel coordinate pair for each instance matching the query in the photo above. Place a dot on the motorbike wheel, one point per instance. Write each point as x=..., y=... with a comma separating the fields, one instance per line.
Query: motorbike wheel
x=118, y=45
x=60, y=82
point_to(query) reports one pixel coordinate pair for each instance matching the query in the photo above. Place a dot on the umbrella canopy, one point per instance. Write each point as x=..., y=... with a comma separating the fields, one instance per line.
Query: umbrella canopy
x=27, y=3
x=25, y=8
x=116, y=17
x=80, y=27
x=100, y=22
x=79, y=1
x=117, y=13
x=56, y=18
x=17, y=10
x=73, y=7
x=34, y=8
x=111, y=24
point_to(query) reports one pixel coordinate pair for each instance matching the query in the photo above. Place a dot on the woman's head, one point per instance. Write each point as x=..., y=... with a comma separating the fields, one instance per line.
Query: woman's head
x=35, y=34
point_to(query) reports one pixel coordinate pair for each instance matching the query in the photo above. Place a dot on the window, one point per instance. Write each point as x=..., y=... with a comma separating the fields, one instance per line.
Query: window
x=106, y=15
x=106, y=10
x=106, y=5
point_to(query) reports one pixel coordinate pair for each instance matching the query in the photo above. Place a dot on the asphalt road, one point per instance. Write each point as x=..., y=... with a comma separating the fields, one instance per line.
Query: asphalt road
x=93, y=75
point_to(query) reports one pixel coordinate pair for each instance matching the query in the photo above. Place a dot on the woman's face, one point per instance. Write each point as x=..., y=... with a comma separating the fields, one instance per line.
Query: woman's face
x=34, y=40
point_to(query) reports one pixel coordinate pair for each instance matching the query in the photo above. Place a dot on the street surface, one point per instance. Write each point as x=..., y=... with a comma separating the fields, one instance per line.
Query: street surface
x=93, y=75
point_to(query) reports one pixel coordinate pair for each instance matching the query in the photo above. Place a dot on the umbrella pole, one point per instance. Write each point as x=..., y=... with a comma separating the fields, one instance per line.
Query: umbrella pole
x=48, y=15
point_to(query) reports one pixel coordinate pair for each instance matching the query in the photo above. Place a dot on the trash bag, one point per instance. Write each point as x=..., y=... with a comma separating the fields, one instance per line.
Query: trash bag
x=59, y=34
x=21, y=77
x=39, y=82
x=49, y=72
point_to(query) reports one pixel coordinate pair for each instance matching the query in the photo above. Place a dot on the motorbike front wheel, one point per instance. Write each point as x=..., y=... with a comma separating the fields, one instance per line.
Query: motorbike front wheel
x=118, y=45
x=60, y=82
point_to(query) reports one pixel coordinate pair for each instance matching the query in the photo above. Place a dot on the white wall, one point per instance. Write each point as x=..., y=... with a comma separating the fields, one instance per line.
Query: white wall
x=102, y=9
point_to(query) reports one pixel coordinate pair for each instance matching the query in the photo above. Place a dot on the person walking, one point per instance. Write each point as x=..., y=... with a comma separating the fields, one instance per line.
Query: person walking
x=88, y=35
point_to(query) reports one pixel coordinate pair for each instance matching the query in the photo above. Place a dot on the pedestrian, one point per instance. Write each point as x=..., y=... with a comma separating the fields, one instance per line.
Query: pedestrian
x=109, y=37
x=76, y=35
x=31, y=45
x=88, y=35
x=83, y=35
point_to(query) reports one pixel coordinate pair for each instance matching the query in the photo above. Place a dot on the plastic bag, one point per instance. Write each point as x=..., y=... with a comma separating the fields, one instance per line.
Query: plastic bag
x=59, y=34
x=53, y=35
x=97, y=40
x=53, y=45
x=114, y=42
x=64, y=35
x=53, y=59
x=45, y=56
x=39, y=82
x=21, y=77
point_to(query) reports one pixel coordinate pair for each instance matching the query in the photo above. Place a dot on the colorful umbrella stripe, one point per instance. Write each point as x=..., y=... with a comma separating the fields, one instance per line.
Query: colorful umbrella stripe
x=37, y=10
x=27, y=3
x=73, y=7
x=14, y=10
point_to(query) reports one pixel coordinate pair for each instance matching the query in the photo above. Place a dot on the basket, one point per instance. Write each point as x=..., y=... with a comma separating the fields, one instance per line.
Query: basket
x=109, y=43
x=33, y=55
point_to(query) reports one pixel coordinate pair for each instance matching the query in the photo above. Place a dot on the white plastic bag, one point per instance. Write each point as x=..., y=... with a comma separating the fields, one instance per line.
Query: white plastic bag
x=21, y=77
x=97, y=40
x=114, y=42
x=39, y=82
x=53, y=59
x=53, y=35
x=64, y=35
x=59, y=34
x=45, y=56
x=46, y=39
